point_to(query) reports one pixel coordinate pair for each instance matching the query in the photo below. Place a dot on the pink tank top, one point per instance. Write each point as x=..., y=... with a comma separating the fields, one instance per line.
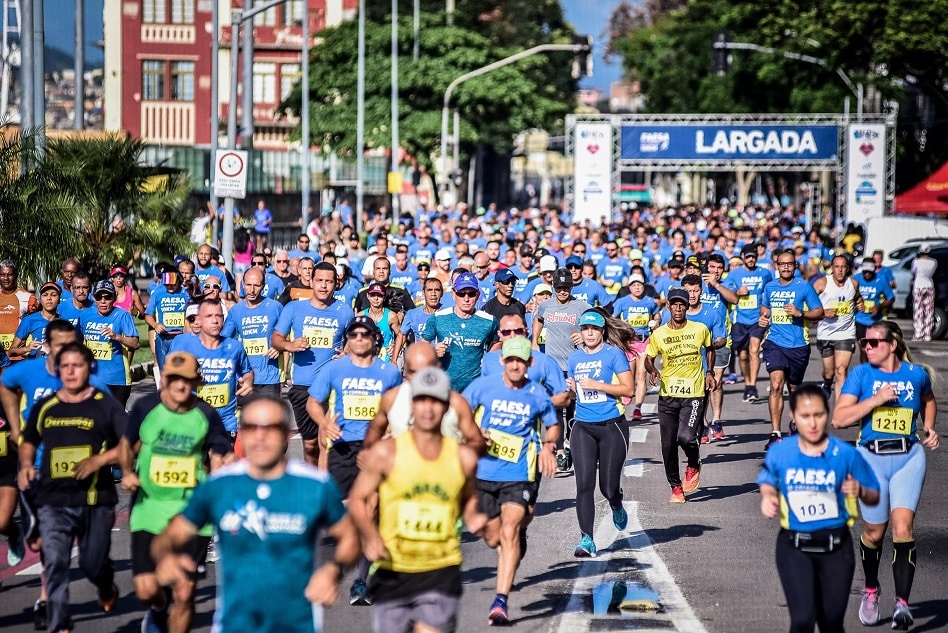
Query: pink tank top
x=126, y=303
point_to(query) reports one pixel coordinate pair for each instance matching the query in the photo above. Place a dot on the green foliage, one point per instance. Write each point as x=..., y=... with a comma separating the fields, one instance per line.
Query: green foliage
x=90, y=199
x=535, y=92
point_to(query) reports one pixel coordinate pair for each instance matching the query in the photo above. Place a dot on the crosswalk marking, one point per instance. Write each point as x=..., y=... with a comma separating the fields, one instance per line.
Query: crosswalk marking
x=37, y=568
x=638, y=435
x=634, y=468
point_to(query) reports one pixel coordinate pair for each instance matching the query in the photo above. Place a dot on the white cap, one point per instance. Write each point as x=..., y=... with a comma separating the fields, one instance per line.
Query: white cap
x=443, y=253
x=636, y=277
x=340, y=270
x=548, y=263
x=341, y=250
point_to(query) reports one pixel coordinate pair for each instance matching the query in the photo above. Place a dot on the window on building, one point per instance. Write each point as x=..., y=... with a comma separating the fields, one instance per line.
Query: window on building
x=153, y=80
x=267, y=18
x=289, y=76
x=293, y=12
x=155, y=11
x=264, y=82
x=182, y=81
x=182, y=11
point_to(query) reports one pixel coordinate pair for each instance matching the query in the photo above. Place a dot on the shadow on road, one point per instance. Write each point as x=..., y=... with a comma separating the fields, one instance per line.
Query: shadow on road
x=722, y=492
x=937, y=610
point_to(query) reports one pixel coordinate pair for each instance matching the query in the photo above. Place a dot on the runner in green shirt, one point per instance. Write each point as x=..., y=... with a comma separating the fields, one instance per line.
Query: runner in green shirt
x=174, y=434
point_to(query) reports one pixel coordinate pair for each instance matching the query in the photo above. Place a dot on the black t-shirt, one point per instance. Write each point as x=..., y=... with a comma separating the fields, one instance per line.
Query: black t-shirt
x=69, y=433
x=397, y=299
x=497, y=310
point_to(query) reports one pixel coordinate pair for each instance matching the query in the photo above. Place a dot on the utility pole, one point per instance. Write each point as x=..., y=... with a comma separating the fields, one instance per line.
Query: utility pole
x=215, y=105
x=395, y=195
x=360, y=121
x=79, y=105
x=246, y=125
x=304, y=132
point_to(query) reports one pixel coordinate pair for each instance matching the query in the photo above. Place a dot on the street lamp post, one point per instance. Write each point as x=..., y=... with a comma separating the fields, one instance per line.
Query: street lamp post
x=360, y=121
x=304, y=132
x=395, y=196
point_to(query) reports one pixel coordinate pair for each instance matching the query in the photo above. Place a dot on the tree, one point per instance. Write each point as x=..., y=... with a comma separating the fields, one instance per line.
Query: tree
x=536, y=92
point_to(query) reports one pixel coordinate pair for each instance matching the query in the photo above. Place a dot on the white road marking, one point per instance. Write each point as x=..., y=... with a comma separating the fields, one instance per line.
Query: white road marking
x=638, y=435
x=37, y=568
x=634, y=468
x=649, y=408
x=591, y=572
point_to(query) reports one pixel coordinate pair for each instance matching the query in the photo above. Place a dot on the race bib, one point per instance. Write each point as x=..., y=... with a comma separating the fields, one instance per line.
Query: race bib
x=896, y=420
x=256, y=346
x=505, y=446
x=4, y=442
x=589, y=396
x=101, y=350
x=638, y=320
x=779, y=316
x=747, y=302
x=424, y=521
x=172, y=319
x=215, y=395
x=360, y=407
x=843, y=308
x=6, y=340
x=680, y=387
x=320, y=337
x=173, y=472
x=809, y=506
x=63, y=460
x=867, y=306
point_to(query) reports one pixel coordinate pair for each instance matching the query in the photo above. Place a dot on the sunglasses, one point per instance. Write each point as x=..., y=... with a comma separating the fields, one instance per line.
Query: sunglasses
x=574, y=267
x=103, y=296
x=282, y=261
x=191, y=319
x=514, y=332
x=872, y=343
x=212, y=286
x=360, y=334
x=249, y=427
x=466, y=294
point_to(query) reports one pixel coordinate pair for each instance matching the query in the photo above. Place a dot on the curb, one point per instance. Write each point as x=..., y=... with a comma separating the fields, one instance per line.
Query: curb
x=142, y=371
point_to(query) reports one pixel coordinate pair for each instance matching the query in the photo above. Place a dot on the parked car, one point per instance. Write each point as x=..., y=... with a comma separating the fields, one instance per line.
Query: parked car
x=903, y=279
x=902, y=272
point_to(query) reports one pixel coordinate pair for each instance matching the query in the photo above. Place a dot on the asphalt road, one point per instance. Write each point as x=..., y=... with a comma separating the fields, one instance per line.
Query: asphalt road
x=708, y=564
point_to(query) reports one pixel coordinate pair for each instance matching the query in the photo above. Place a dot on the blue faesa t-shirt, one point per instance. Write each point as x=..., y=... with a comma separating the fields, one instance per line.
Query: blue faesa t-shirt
x=873, y=293
x=221, y=368
x=109, y=354
x=809, y=487
x=513, y=417
x=323, y=329
x=899, y=417
x=353, y=393
x=266, y=525
x=168, y=308
x=748, y=306
x=253, y=327
x=787, y=331
x=468, y=339
x=636, y=312
x=605, y=366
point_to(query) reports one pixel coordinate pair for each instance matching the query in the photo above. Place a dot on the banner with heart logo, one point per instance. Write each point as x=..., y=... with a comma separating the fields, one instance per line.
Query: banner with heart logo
x=865, y=171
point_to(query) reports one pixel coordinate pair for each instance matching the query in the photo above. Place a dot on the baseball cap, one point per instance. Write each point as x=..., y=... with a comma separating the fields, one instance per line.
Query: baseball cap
x=678, y=294
x=749, y=249
x=466, y=281
x=540, y=252
x=694, y=260
x=443, y=253
x=675, y=263
x=340, y=250
x=192, y=310
x=50, y=285
x=678, y=255
x=574, y=260
x=539, y=289
x=180, y=258
x=181, y=364
x=547, y=263
x=340, y=269
x=516, y=347
x=562, y=278
x=423, y=262
x=636, y=278
x=169, y=278
x=592, y=318
x=104, y=285
x=118, y=270
x=526, y=251
x=505, y=276
x=797, y=229
x=364, y=322
x=376, y=289
x=635, y=253
x=925, y=248
x=433, y=382
x=869, y=266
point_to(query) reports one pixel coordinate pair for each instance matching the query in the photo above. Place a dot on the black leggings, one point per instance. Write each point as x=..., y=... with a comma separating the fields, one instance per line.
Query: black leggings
x=121, y=393
x=680, y=422
x=603, y=445
x=816, y=585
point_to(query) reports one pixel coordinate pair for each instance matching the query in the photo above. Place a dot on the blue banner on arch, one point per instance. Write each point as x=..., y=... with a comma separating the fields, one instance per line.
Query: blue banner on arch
x=709, y=143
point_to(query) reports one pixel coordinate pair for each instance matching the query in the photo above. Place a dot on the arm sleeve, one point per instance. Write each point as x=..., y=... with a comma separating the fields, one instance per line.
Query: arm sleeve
x=768, y=473
x=431, y=329
x=852, y=384
x=150, y=308
x=198, y=511
x=285, y=322
x=554, y=381
x=322, y=384
x=548, y=414
x=230, y=327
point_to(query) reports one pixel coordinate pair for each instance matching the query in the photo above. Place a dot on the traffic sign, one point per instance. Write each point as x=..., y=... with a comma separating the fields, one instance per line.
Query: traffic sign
x=230, y=173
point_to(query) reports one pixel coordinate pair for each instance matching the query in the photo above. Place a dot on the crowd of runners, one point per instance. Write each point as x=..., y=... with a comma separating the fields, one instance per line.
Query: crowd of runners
x=436, y=370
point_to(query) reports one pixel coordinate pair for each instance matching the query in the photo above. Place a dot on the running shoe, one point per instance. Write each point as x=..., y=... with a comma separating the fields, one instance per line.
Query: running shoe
x=16, y=550
x=747, y=397
x=358, y=594
x=677, y=496
x=902, y=616
x=564, y=461
x=869, y=606
x=155, y=621
x=39, y=615
x=717, y=431
x=620, y=518
x=637, y=413
x=731, y=379
x=793, y=428
x=774, y=438
x=498, y=613
x=586, y=548
x=692, y=479
x=752, y=395
x=827, y=390
x=108, y=600
x=705, y=436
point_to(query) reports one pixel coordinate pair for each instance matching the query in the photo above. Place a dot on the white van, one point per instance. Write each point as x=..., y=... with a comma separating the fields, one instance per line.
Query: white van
x=890, y=232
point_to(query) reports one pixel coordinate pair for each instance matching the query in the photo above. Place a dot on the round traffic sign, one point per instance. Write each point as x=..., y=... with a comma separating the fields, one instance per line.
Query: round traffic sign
x=231, y=164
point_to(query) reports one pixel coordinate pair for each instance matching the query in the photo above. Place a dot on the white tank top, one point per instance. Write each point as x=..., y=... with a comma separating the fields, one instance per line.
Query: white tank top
x=400, y=420
x=841, y=298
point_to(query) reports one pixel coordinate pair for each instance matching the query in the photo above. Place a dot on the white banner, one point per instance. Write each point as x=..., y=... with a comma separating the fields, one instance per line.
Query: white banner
x=592, y=173
x=865, y=172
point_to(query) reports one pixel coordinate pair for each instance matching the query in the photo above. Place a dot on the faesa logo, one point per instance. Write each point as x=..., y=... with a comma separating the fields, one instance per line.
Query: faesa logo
x=866, y=135
x=592, y=134
x=654, y=141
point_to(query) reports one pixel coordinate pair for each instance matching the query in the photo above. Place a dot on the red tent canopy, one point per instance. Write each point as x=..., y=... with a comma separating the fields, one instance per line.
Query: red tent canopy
x=929, y=197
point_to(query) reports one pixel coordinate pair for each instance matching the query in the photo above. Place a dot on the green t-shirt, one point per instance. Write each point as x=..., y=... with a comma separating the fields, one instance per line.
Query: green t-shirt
x=171, y=459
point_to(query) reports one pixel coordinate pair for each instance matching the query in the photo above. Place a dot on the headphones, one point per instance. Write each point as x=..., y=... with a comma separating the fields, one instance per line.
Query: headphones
x=84, y=351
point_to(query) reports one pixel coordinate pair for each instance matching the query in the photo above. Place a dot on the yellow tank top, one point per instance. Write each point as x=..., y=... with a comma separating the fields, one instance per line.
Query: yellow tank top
x=419, y=507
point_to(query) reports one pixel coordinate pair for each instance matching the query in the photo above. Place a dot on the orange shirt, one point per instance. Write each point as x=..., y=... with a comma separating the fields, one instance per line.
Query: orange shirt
x=13, y=305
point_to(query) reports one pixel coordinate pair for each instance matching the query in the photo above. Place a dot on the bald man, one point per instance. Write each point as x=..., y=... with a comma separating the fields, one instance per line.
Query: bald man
x=394, y=414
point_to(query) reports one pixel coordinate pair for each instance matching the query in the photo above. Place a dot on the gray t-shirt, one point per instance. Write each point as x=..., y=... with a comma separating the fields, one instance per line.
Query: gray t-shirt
x=561, y=320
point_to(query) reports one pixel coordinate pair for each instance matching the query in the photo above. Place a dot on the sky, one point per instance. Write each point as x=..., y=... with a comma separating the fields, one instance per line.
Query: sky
x=587, y=16
x=591, y=17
